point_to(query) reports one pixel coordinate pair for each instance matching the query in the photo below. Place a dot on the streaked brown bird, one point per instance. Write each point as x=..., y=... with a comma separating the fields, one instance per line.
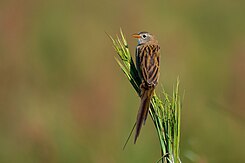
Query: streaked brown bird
x=148, y=67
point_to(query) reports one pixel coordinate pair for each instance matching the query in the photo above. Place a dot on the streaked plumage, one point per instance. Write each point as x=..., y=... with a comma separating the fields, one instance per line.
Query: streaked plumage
x=148, y=67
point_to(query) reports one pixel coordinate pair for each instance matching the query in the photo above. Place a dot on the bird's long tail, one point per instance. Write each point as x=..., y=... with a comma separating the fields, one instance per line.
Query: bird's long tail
x=146, y=95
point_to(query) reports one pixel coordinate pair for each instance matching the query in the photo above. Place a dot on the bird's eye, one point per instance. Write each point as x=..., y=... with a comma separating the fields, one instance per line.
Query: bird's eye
x=144, y=36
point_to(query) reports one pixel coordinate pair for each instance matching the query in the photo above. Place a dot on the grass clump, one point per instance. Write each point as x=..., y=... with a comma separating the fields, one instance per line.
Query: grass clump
x=164, y=113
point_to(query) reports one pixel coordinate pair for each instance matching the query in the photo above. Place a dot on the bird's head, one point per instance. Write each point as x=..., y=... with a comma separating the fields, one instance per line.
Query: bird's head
x=144, y=37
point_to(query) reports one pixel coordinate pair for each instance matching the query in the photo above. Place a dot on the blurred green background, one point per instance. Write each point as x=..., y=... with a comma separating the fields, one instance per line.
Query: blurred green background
x=64, y=99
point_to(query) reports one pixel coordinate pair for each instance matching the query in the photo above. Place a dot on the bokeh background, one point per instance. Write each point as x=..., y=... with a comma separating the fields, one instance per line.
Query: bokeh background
x=64, y=99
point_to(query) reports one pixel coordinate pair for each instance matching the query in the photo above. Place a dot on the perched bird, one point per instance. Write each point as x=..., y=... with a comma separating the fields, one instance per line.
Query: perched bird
x=148, y=67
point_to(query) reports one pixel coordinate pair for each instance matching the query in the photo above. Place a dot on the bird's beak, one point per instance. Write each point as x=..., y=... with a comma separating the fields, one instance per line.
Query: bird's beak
x=136, y=35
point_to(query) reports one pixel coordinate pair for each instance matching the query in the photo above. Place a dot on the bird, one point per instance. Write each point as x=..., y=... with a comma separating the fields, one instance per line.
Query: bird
x=147, y=58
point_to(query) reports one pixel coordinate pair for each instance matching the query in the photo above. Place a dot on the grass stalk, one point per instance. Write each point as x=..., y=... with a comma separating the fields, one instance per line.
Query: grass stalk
x=164, y=113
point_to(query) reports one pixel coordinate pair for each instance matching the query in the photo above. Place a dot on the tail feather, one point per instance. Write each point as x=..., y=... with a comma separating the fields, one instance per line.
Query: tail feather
x=143, y=110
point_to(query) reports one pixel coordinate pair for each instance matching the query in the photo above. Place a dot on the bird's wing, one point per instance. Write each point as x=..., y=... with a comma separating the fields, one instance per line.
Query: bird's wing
x=148, y=58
